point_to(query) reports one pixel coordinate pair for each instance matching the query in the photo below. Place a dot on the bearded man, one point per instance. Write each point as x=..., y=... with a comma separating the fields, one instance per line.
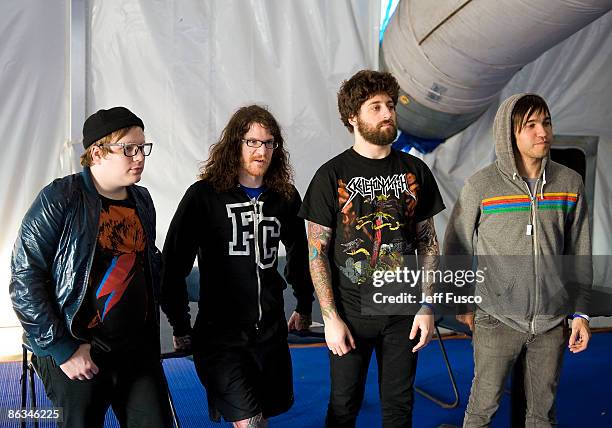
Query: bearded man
x=368, y=210
x=233, y=219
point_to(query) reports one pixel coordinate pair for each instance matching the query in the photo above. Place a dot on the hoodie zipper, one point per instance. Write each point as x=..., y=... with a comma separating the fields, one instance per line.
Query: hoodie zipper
x=255, y=203
x=532, y=229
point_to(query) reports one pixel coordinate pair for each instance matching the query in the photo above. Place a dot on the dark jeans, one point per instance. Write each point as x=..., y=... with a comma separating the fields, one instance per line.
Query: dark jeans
x=137, y=392
x=388, y=336
x=496, y=348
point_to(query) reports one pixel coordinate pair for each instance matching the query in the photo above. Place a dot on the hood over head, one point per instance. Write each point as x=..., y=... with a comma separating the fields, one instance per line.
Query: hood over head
x=502, y=132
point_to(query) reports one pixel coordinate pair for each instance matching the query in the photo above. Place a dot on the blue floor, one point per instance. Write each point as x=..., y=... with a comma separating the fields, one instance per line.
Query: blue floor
x=584, y=400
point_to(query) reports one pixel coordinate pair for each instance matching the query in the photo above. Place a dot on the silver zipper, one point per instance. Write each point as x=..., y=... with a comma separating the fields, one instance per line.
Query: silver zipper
x=535, y=248
x=256, y=236
x=536, y=252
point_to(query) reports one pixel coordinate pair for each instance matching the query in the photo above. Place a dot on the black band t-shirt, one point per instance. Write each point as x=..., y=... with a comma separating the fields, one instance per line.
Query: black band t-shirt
x=372, y=206
x=117, y=312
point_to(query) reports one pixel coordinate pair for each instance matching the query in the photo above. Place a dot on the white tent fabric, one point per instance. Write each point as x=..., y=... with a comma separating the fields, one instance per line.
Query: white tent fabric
x=184, y=66
x=451, y=59
x=34, y=106
x=574, y=77
x=460, y=49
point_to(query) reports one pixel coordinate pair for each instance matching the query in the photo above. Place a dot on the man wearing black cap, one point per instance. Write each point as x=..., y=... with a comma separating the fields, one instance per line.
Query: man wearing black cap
x=85, y=281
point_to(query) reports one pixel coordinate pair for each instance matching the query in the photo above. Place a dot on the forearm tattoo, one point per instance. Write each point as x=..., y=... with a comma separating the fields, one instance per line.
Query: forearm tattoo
x=428, y=251
x=256, y=421
x=319, y=238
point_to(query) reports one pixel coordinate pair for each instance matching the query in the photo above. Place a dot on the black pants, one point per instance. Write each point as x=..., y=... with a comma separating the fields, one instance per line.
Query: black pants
x=136, y=390
x=388, y=336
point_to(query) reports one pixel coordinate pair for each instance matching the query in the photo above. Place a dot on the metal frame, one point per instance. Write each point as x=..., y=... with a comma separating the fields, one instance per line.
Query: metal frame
x=438, y=401
x=588, y=145
x=27, y=373
x=167, y=356
x=77, y=58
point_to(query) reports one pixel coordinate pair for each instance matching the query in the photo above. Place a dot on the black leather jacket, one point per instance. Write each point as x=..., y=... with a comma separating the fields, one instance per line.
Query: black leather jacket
x=52, y=259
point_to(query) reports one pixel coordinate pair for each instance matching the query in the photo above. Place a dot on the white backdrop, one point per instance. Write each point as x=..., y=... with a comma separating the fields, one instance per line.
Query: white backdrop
x=184, y=66
x=575, y=78
x=33, y=119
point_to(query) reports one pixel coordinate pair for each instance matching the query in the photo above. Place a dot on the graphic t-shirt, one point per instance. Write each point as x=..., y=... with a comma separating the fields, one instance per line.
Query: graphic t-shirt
x=253, y=192
x=531, y=182
x=117, y=310
x=373, y=206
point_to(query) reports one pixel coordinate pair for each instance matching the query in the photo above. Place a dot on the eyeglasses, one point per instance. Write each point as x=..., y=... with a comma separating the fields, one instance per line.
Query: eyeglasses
x=271, y=145
x=131, y=149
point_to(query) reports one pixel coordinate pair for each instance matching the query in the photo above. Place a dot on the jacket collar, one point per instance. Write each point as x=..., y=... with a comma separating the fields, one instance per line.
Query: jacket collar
x=90, y=187
x=89, y=184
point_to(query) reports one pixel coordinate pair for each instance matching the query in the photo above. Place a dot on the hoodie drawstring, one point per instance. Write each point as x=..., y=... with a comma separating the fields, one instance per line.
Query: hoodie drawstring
x=542, y=186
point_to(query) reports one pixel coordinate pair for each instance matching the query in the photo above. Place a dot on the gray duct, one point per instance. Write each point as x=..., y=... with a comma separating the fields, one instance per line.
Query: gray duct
x=452, y=57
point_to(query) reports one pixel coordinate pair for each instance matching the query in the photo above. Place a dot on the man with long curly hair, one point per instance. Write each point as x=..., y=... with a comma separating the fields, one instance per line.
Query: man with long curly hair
x=234, y=218
x=368, y=210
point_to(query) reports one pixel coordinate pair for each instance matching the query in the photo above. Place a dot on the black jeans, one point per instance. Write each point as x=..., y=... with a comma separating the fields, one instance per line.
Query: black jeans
x=136, y=390
x=388, y=336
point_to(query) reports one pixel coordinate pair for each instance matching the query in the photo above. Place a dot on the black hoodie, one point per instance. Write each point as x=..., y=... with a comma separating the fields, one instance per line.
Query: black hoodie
x=236, y=240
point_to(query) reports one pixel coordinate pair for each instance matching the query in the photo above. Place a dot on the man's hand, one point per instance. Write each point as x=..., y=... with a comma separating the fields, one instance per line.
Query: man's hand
x=581, y=333
x=298, y=321
x=467, y=319
x=338, y=337
x=424, y=321
x=80, y=366
x=182, y=343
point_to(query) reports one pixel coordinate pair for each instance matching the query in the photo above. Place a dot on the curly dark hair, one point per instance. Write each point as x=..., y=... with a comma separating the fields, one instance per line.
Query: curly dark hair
x=360, y=88
x=223, y=164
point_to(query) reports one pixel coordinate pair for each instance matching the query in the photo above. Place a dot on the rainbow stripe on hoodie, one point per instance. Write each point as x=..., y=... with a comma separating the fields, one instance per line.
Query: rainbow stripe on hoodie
x=563, y=201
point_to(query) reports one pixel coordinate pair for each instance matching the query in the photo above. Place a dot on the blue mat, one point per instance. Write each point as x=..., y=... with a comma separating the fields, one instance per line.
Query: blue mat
x=584, y=400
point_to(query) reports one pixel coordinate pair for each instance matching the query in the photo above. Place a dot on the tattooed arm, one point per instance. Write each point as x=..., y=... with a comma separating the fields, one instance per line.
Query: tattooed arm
x=257, y=421
x=337, y=335
x=428, y=252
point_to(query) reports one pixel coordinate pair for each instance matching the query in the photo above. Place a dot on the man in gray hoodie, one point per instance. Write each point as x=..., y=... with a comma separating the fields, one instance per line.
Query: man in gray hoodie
x=525, y=219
